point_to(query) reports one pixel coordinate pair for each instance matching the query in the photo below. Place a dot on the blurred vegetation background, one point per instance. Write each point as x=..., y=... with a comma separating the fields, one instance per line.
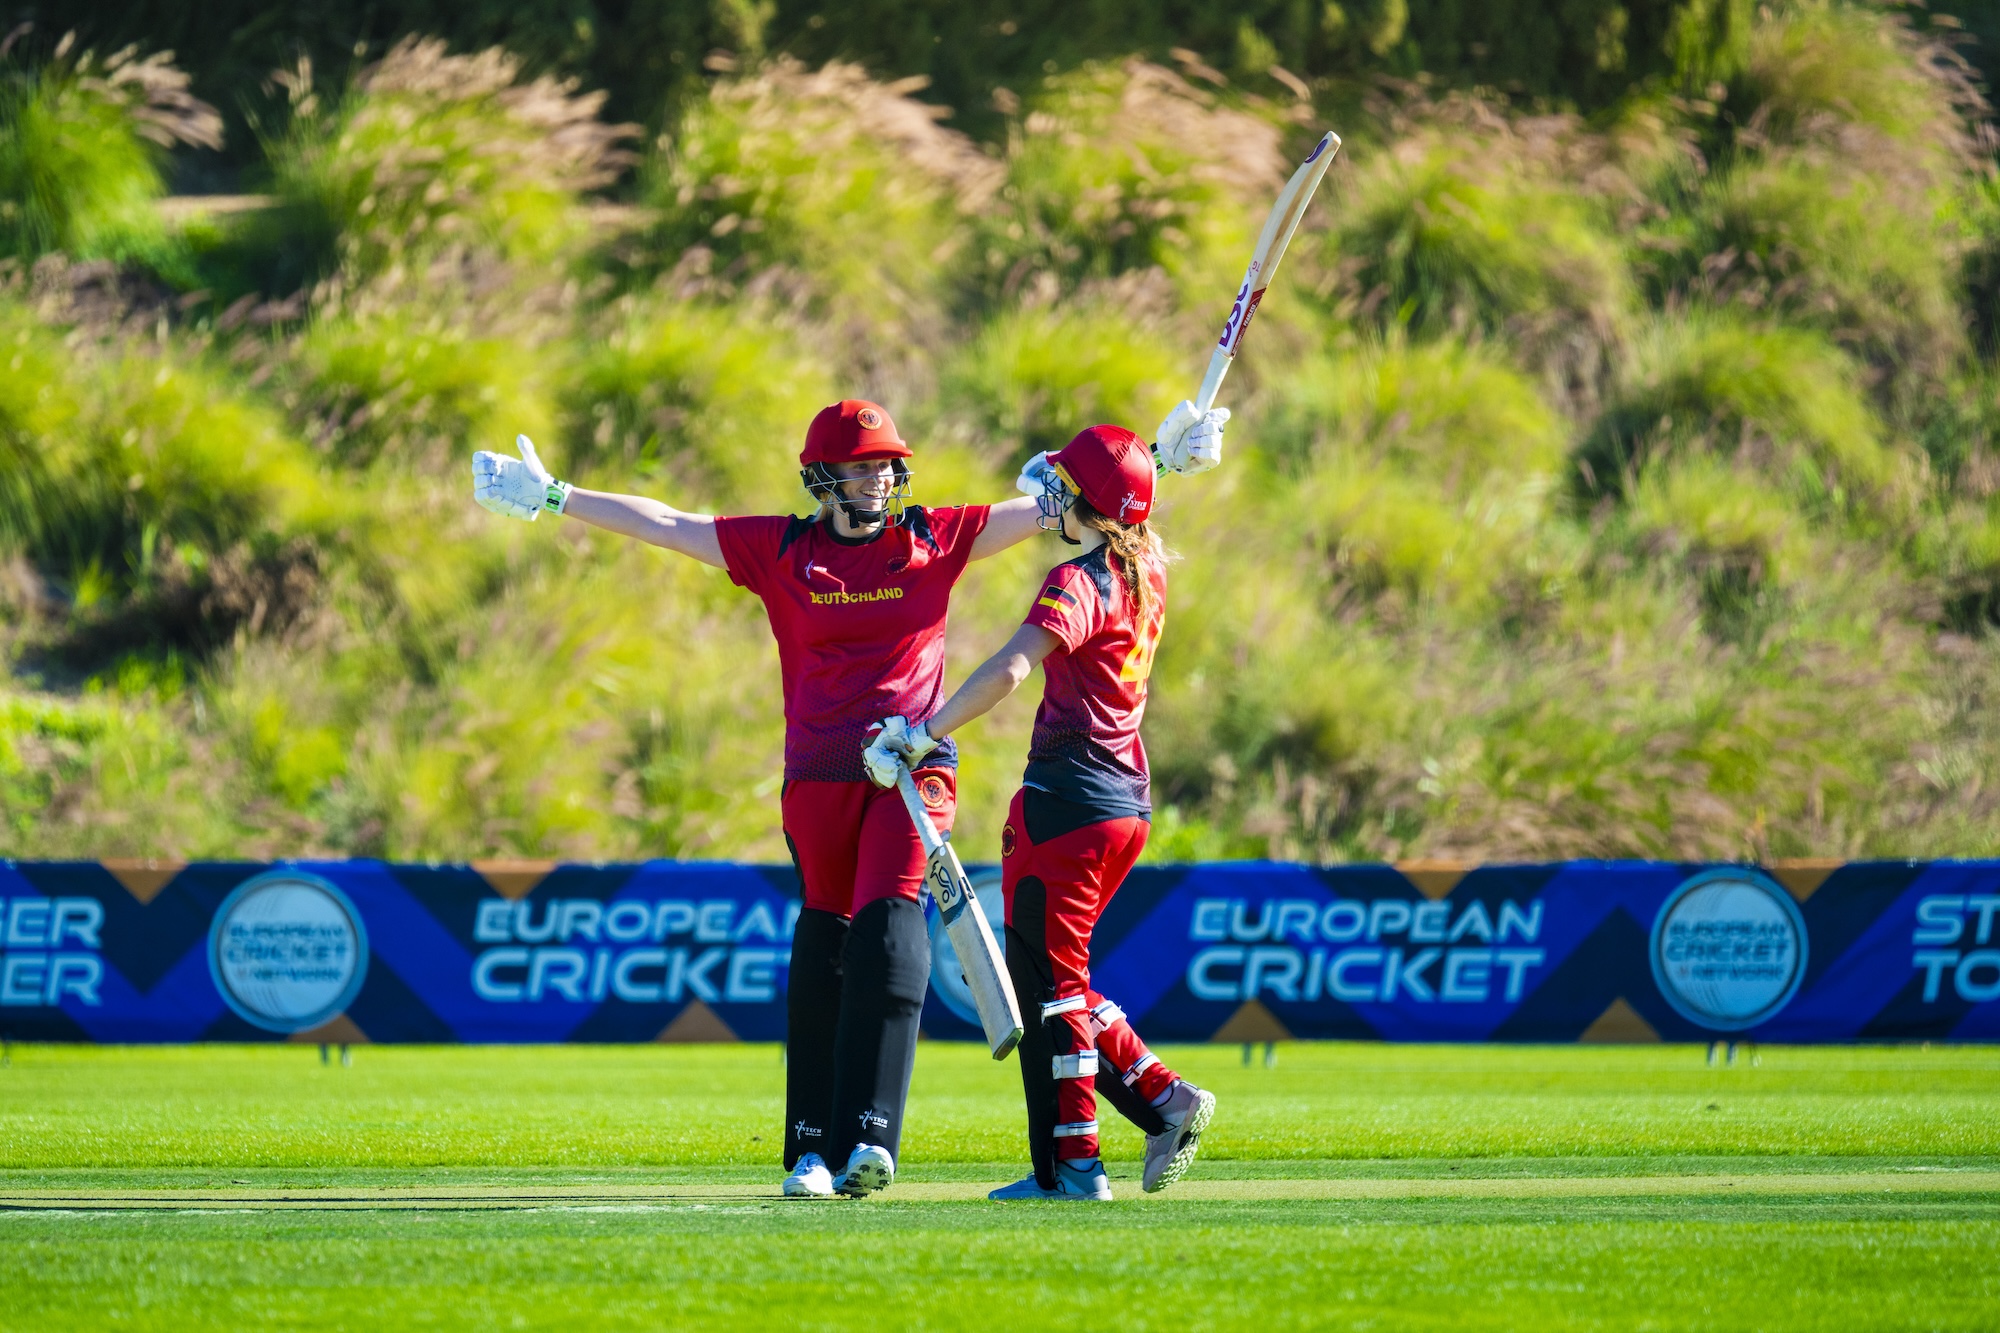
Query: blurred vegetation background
x=1614, y=471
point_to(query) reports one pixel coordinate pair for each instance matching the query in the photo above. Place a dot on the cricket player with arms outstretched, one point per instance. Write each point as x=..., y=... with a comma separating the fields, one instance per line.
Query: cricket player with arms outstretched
x=1081, y=816
x=857, y=597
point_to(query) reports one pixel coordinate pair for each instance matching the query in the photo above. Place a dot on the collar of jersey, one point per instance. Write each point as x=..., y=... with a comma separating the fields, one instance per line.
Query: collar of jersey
x=876, y=535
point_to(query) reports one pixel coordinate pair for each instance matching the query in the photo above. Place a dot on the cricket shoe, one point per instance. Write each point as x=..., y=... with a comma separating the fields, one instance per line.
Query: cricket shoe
x=1022, y=1189
x=1083, y=1183
x=1168, y=1156
x=809, y=1179
x=869, y=1168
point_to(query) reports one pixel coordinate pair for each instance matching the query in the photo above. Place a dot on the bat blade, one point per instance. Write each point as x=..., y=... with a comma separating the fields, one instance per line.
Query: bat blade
x=1264, y=260
x=965, y=925
x=979, y=955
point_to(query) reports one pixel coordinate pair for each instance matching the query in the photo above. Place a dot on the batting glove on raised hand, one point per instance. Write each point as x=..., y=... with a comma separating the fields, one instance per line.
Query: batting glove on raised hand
x=896, y=743
x=1035, y=473
x=1190, y=441
x=517, y=487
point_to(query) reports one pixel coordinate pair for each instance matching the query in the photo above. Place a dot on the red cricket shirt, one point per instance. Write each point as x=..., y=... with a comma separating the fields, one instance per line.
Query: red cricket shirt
x=1086, y=747
x=860, y=625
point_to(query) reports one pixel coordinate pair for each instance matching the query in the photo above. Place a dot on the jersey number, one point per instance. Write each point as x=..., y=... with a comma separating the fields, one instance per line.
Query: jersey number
x=1139, y=665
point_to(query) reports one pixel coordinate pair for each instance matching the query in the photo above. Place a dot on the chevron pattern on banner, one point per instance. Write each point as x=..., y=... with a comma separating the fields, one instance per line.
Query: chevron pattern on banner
x=527, y=951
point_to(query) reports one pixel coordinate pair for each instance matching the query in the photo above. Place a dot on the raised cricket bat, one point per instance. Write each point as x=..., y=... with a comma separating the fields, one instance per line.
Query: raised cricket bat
x=971, y=938
x=1264, y=260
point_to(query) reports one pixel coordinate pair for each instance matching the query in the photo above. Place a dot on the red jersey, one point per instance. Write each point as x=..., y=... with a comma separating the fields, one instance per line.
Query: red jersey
x=859, y=624
x=1086, y=745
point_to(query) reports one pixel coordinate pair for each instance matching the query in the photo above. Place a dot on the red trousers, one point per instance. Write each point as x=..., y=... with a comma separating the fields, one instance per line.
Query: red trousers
x=1056, y=889
x=854, y=843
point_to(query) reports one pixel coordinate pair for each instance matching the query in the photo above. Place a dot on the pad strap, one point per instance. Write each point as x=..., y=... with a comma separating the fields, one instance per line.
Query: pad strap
x=1068, y=1005
x=1139, y=1066
x=1080, y=1129
x=1106, y=1013
x=1083, y=1064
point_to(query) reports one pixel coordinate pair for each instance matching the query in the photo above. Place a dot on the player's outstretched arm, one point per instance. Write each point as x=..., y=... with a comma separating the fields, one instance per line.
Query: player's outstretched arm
x=996, y=678
x=522, y=488
x=1010, y=523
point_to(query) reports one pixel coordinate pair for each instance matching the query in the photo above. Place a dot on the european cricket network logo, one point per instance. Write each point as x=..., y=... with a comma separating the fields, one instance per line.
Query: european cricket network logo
x=287, y=951
x=1728, y=949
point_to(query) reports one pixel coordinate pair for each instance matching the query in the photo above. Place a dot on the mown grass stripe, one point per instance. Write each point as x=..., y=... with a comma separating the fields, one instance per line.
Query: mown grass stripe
x=475, y=1197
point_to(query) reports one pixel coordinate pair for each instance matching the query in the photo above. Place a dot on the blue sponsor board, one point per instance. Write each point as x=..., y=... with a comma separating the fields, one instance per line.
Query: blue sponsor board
x=518, y=952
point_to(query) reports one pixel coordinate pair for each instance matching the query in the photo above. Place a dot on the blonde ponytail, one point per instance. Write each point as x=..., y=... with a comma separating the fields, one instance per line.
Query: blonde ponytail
x=1134, y=546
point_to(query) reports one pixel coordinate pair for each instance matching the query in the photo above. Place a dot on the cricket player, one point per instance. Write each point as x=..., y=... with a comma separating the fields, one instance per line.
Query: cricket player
x=857, y=596
x=1081, y=816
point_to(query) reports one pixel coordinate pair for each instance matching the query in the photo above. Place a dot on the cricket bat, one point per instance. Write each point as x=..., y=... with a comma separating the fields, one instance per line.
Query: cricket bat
x=1264, y=260
x=971, y=938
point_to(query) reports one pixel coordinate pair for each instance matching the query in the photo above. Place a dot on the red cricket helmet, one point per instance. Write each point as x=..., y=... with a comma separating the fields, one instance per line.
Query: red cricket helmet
x=850, y=430
x=1112, y=469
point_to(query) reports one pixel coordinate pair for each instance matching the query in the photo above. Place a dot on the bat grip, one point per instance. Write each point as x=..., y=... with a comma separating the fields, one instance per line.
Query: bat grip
x=1211, y=383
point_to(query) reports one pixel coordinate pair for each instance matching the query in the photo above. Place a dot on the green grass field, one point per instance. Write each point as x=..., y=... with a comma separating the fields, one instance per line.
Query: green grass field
x=1351, y=1186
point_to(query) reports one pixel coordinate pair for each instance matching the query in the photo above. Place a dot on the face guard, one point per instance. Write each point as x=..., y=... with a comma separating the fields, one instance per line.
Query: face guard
x=824, y=485
x=1054, y=495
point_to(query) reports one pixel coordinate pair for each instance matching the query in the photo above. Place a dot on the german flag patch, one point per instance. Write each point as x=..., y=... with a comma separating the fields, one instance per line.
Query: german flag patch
x=1057, y=599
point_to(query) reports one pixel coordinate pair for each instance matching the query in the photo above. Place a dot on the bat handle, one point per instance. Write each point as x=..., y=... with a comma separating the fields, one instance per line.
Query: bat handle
x=1211, y=383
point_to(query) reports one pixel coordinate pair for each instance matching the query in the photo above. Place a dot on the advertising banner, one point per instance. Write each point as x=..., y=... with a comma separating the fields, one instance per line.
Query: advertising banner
x=349, y=951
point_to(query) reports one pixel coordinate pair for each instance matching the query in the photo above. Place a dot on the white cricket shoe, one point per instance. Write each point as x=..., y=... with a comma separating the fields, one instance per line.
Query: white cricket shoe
x=1022, y=1189
x=809, y=1179
x=869, y=1168
x=1169, y=1155
x=1085, y=1183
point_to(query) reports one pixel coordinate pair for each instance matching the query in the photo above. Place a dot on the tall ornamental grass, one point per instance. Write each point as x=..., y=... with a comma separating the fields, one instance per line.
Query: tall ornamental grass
x=428, y=149
x=818, y=188
x=83, y=141
x=1120, y=168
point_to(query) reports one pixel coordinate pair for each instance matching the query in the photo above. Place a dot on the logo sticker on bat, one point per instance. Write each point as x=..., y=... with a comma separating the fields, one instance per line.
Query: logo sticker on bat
x=945, y=888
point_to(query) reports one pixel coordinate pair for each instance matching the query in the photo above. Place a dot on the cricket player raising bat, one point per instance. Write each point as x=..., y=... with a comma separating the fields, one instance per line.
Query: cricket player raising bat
x=1081, y=816
x=857, y=596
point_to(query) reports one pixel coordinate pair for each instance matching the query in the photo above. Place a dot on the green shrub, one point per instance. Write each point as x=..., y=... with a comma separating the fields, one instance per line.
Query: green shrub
x=701, y=397
x=1443, y=411
x=1960, y=548
x=1420, y=468
x=1724, y=529
x=1782, y=400
x=1842, y=197
x=100, y=774
x=1818, y=70
x=1848, y=252
x=1470, y=226
x=1032, y=378
x=420, y=384
x=826, y=186
x=1122, y=168
x=82, y=144
x=429, y=150
x=106, y=462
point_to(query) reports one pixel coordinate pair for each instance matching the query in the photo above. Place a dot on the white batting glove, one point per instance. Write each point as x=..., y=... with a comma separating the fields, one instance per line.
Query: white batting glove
x=517, y=487
x=897, y=744
x=1032, y=481
x=1190, y=441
